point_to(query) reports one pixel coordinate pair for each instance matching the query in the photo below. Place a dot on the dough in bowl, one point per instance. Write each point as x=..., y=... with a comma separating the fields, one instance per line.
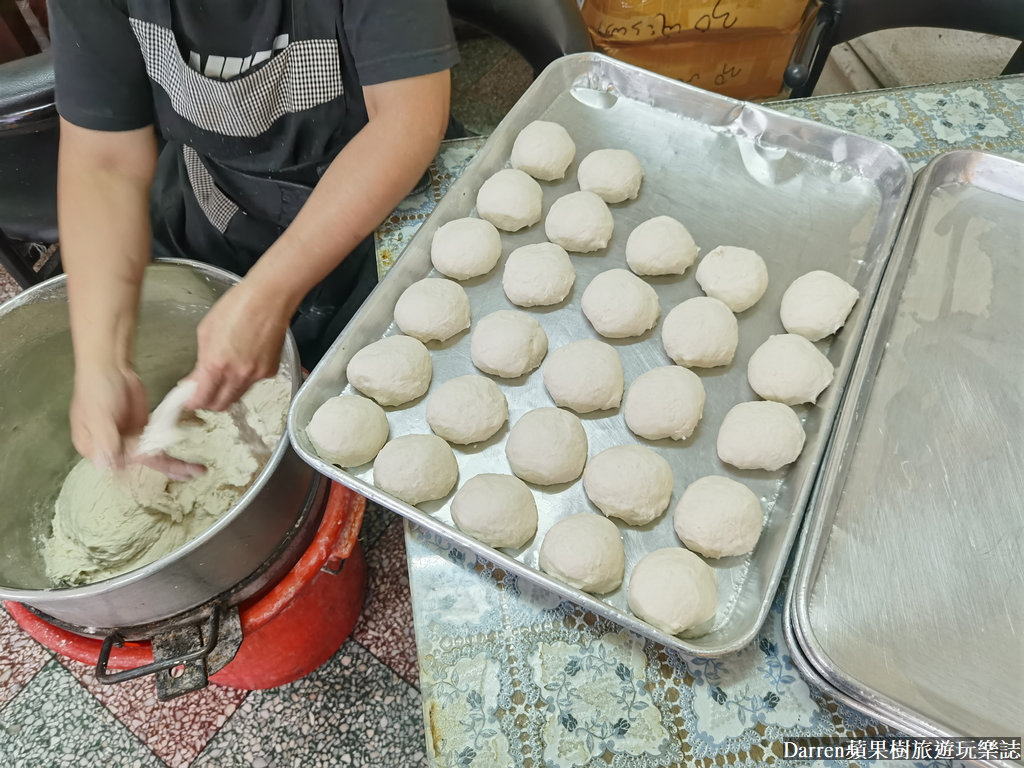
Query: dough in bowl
x=498, y=510
x=544, y=150
x=538, y=275
x=585, y=376
x=675, y=591
x=614, y=174
x=393, y=371
x=465, y=248
x=760, y=435
x=817, y=304
x=467, y=409
x=619, y=304
x=348, y=430
x=718, y=517
x=510, y=200
x=508, y=343
x=416, y=468
x=789, y=369
x=585, y=551
x=667, y=401
x=432, y=309
x=660, y=246
x=736, y=276
x=580, y=222
x=630, y=482
x=702, y=332
x=547, y=446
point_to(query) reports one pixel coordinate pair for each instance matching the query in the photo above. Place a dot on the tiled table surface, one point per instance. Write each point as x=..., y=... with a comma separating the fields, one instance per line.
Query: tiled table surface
x=512, y=676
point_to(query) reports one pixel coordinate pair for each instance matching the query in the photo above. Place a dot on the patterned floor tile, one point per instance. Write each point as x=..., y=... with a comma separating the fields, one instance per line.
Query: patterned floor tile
x=502, y=86
x=385, y=627
x=21, y=658
x=176, y=730
x=8, y=286
x=477, y=57
x=375, y=520
x=54, y=722
x=353, y=711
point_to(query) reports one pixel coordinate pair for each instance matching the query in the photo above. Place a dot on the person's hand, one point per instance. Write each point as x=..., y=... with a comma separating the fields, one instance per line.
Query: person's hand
x=240, y=342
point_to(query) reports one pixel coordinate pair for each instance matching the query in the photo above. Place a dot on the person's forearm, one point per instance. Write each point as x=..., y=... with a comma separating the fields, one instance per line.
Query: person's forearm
x=103, y=206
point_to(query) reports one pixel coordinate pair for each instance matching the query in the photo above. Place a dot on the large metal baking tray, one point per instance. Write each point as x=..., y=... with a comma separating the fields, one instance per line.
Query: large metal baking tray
x=804, y=195
x=908, y=592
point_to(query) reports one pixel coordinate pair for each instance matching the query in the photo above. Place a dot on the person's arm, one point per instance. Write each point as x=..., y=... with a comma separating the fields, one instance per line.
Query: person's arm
x=240, y=340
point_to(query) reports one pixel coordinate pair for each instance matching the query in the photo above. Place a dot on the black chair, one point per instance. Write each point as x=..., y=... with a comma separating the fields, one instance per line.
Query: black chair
x=840, y=21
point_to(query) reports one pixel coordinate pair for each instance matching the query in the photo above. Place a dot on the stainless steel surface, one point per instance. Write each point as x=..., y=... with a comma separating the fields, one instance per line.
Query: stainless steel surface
x=803, y=195
x=908, y=594
x=36, y=370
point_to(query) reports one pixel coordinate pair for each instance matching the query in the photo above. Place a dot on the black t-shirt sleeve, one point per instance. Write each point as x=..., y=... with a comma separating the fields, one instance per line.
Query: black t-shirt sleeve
x=100, y=75
x=395, y=39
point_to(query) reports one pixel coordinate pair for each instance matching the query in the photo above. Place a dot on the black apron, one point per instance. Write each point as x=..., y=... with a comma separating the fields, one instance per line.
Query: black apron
x=241, y=156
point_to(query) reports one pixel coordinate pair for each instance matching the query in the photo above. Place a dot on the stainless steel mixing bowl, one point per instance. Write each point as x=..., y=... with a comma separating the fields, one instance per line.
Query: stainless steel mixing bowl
x=36, y=369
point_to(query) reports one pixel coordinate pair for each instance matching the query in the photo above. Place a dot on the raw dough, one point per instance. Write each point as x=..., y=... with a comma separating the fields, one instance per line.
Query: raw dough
x=702, y=332
x=508, y=343
x=547, y=446
x=630, y=482
x=614, y=174
x=106, y=523
x=465, y=248
x=432, y=309
x=580, y=222
x=675, y=591
x=498, y=510
x=348, y=430
x=467, y=409
x=538, y=275
x=660, y=246
x=665, y=402
x=510, y=200
x=585, y=376
x=760, y=435
x=544, y=150
x=619, y=304
x=737, y=276
x=817, y=304
x=789, y=369
x=718, y=517
x=416, y=468
x=585, y=551
x=392, y=371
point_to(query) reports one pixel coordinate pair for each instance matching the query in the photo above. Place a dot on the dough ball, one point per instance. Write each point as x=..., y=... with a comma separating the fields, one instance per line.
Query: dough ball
x=547, y=446
x=432, y=308
x=538, y=275
x=630, y=482
x=675, y=591
x=702, y=332
x=585, y=376
x=760, y=435
x=585, y=551
x=789, y=369
x=348, y=430
x=544, y=150
x=660, y=246
x=580, y=222
x=619, y=304
x=498, y=510
x=416, y=468
x=392, y=371
x=736, y=276
x=614, y=174
x=817, y=304
x=718, y=517
x=665, y=402
x=465, y=248
x=508, y=343
x=467, y=409
x=510, y=200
